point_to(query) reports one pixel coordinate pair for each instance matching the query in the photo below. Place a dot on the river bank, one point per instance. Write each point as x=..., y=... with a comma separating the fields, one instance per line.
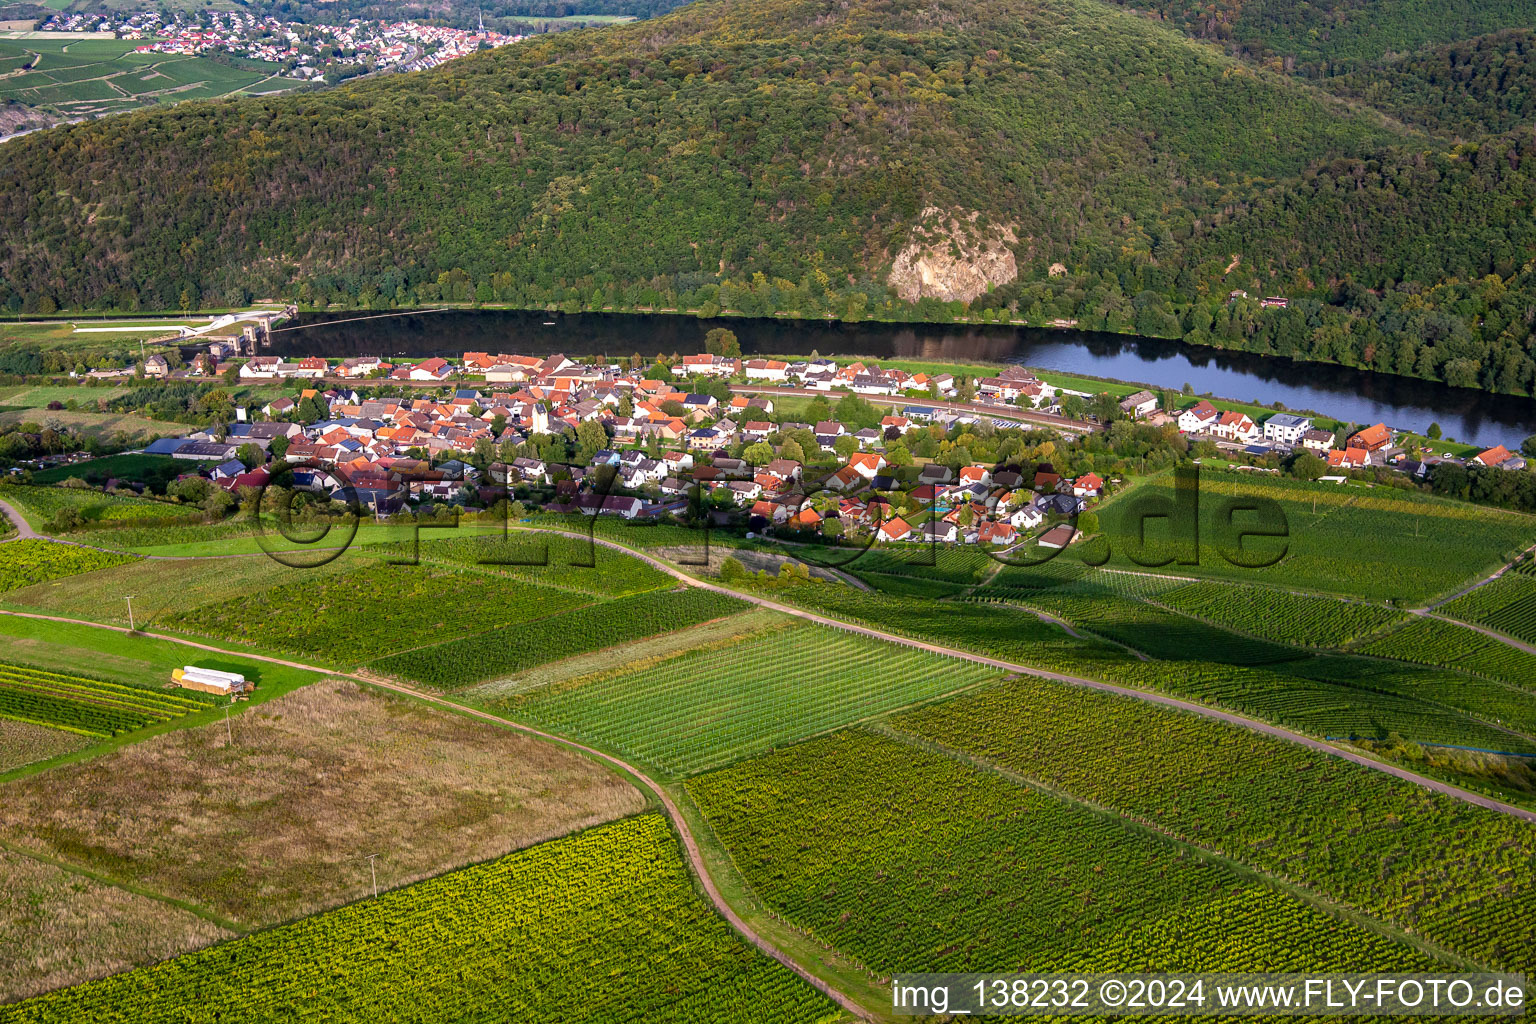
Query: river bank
x=1333, y=392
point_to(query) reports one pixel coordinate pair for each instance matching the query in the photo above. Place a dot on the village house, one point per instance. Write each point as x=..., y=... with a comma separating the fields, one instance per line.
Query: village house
x=766, y=369
x=1139, y=404
x=1198, y=418
x=1286, y=428
x=1089, y=485
x=1498, y=457
x=1372, y=438
x=1235, y=426
x=430, y=369
x=1348, y=458
x=1317, y=440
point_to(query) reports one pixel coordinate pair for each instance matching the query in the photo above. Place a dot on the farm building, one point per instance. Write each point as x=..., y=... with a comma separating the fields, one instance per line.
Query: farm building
x=207, y=680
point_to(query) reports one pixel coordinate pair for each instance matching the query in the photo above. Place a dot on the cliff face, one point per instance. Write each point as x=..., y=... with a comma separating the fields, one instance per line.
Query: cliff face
x=951, y=256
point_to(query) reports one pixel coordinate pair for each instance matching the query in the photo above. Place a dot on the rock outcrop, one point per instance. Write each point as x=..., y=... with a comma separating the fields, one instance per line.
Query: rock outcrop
x=952, y=256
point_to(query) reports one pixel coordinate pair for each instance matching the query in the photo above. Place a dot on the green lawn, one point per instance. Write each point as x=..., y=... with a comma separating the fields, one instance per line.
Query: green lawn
x=109, y=654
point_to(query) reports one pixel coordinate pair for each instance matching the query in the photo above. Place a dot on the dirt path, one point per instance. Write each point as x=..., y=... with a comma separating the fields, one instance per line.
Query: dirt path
x=1492, y=634
x=1500, y=571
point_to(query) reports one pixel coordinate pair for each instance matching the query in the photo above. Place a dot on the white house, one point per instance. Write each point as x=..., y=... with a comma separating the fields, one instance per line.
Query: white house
x=1317, y=440
x=1027, y=517
x=1236, y=426
x=1198, y=418
x=1286, y=428
x=766, y=369
x=1140, y=404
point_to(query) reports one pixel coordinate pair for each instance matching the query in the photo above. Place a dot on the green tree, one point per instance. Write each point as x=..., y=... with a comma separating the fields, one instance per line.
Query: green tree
x=758, y=454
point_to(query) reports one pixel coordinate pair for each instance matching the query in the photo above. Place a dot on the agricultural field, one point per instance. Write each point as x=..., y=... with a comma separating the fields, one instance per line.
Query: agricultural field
x=89, y=706
x=1507, y=604
x=41, y=506
x=97, y=472
x=1066, y=574
x=635, y=654
x=543, y=934
x=59, y=928
x=1430, y=641
x=369, y=613
x=907, y=859
x=995, y=629
x=946, y=564
x=706, y=708
x=38, y=396
x=1155, y=631
x=1367, y=543
x=129, y=658
x=125, y=427
x=25, y=562
x=1458, y=875
x=23, y=744
x=101, y=76
x=548, y=560
x=1278, y=615
x=159, y=594
x=513, y=649
x=281, y=821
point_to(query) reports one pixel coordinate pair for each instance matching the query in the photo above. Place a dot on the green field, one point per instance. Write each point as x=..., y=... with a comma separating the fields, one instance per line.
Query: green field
x=25, y=562
x=372, y=612
x=504, y=652
x=901, y=856
x=121, y=467
x=91, y=707
x=1279, y=615
x=706, y=708
x=1458, y=875
x=1430, y=641
x=1507, y=604
x=552, y=561
x=99, y=76
x=159, y=592
x=39, y=505
x=1369, y=543
x=1183, y=656
x=604, y=925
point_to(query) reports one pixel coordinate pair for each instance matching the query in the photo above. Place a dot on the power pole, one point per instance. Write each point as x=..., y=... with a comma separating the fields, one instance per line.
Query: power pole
x=129, y=599
x=228, y=732
x=375, y=872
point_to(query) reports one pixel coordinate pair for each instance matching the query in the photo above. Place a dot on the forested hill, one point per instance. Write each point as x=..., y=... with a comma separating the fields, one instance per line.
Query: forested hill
x=799, y=156
x=1321, y=37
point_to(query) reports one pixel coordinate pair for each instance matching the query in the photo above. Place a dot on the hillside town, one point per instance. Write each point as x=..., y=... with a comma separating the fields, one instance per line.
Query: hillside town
x=303, y=50
x=880, y=454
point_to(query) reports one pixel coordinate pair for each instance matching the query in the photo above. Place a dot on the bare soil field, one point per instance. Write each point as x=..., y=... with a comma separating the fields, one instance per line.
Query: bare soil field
x=58, y=928
x=281, y=822
x=23, y=743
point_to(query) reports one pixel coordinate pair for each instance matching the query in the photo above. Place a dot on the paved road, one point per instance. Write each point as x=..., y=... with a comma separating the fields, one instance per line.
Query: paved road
x=24, y=529
x=690, y=845
x=1002, y=412
x=1434, y=785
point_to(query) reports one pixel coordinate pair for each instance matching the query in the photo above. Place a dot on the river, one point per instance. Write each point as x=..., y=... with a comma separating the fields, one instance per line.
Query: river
x=1357, y=396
